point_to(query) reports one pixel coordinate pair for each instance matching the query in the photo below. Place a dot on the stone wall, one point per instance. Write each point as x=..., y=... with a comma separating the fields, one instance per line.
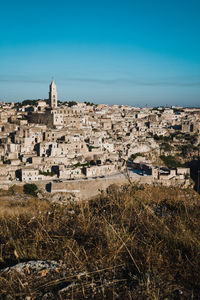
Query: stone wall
x=87, y=189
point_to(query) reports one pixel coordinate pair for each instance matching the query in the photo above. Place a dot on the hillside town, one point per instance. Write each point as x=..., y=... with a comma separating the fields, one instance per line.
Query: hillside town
x=53, y=141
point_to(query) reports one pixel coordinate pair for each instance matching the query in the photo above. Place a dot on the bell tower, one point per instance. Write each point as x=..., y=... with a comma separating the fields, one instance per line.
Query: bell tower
x=53, y=95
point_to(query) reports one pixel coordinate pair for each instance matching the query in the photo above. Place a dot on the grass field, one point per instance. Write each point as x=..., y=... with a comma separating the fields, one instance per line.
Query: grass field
x=132, y=242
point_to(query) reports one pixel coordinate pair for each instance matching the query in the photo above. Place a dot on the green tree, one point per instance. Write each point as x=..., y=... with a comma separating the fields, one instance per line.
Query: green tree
x=171, y=161
x=30, y=189
x=71, y=103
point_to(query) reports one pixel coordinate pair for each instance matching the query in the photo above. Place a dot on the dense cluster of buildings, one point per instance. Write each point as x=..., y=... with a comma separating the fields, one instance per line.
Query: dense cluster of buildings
x=47, y=141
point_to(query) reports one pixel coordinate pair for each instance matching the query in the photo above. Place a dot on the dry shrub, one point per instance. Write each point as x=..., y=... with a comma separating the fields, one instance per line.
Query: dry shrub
x=144, y=241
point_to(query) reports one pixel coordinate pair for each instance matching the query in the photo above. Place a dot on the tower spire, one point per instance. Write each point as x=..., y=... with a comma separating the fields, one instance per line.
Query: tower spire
x=53, y=94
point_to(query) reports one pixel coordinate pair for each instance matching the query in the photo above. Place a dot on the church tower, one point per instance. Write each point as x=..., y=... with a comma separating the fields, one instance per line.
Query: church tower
x=53, y=95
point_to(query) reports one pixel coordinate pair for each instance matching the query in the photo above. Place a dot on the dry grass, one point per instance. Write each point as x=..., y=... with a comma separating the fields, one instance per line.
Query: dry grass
x=133, y=242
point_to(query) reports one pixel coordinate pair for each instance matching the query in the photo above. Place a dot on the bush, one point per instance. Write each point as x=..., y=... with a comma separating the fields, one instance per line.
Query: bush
x=47, y=173
x=30, y=189
x=133, y=156
x=170, y=161
x=166, y=147
x=161, y=138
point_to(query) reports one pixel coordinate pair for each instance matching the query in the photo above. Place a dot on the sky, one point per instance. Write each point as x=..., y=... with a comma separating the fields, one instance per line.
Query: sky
x=141, y=53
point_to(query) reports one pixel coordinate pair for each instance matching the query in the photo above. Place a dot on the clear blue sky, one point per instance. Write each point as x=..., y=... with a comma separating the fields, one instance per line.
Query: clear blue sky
x=134, y=52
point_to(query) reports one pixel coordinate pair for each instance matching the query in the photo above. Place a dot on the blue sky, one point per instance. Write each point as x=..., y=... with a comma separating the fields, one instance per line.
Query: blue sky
x=143, y=52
